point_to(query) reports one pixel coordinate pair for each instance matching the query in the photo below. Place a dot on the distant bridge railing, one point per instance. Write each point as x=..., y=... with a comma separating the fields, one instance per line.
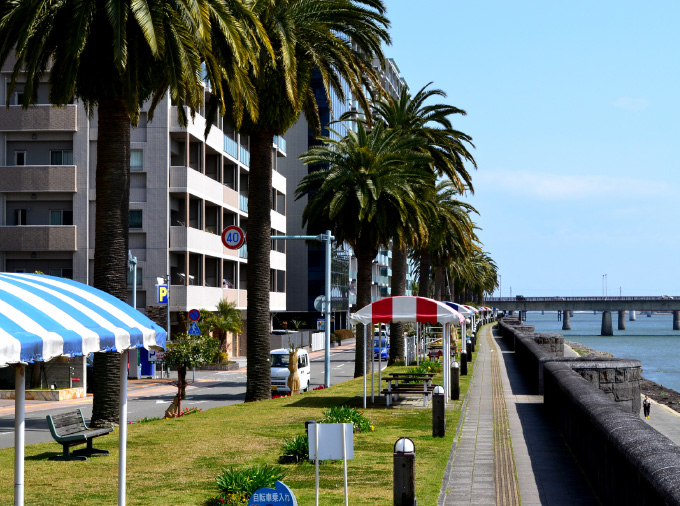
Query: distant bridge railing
x=594, y=299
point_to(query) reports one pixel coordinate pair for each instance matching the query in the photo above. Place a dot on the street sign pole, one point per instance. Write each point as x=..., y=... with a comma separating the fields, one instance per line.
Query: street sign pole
x=327, y=372
x=327, y=238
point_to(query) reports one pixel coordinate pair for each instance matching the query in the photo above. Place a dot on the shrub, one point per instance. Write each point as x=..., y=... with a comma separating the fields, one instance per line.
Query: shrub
x=344, y=334
x=345, y=414
x=237, y=485
x=295, y=450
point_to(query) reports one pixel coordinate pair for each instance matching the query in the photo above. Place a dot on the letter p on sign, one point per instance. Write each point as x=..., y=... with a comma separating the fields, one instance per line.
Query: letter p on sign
x=162, y=294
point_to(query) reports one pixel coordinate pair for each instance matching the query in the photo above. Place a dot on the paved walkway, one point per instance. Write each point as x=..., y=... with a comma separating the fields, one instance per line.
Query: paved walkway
x=542, y=471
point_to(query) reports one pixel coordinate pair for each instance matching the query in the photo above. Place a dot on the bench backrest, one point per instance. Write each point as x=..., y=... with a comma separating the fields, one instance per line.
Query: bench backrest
x=65, y=424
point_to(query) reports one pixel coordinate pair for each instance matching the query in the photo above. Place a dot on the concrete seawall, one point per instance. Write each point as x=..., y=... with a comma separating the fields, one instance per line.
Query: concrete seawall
x=595, y=403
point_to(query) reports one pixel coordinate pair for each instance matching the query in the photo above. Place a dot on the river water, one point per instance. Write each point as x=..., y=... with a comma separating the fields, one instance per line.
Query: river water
x=651, y=340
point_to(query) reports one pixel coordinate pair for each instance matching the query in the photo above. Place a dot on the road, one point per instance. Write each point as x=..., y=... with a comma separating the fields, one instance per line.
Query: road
x=150, y=398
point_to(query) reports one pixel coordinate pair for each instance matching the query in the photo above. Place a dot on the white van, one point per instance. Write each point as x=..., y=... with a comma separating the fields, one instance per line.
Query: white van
x=280, y=372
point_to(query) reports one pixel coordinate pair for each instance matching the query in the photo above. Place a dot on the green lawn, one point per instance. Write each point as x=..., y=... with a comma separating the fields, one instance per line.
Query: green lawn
x=175, y=461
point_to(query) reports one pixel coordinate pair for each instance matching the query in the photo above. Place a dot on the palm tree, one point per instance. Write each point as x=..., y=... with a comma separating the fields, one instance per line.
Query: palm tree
x=226, y=319
x=113, y=56
x=454, y=234
x=447, y=148
x=337, y=39
x=368, y=190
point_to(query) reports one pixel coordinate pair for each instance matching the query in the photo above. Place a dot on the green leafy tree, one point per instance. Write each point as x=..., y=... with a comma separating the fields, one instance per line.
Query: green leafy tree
x=369, y=188
x=187, y=351
x=114, y=55
x=337, y=39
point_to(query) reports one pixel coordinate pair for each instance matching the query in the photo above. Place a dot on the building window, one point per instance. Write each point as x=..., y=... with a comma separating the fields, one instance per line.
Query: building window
x=61, y=217
x=61, y=273
x=20, y=158
x=139, y=277
x=20, y=216
x=135, y=218
x=136, y=159
x=61, y=157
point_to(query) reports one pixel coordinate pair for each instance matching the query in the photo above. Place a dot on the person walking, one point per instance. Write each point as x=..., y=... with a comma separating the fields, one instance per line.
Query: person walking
x=646, y=405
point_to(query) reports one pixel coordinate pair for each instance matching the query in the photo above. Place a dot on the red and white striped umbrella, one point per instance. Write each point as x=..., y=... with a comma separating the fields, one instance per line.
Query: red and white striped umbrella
x=407, y=308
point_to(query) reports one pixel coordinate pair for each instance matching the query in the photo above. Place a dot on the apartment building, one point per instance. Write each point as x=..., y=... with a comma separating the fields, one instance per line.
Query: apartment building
x=184, y=190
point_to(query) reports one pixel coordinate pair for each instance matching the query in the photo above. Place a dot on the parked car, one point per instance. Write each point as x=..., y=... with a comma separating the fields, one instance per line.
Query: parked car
x=383, y=348
x=280, y=372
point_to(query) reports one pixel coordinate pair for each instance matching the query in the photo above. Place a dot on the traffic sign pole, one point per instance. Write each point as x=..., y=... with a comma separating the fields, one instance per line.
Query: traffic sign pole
x=327, y=238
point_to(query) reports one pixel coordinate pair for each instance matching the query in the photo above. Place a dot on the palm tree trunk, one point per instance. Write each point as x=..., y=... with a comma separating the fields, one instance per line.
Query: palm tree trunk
x=438, y=282
x=424, y=279
x=364, y=278
x=112, y=210
x=399, y=271
x=258, y=382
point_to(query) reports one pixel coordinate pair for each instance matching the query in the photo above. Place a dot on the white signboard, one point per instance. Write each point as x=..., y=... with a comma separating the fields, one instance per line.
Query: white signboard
x=330, y=441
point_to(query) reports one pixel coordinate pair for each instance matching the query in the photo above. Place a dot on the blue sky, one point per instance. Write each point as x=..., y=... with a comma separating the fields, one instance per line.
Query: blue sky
x=574, y=111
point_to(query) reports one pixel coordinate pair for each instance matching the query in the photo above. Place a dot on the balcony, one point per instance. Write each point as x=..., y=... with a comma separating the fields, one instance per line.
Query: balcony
x=231, y=147
x=198, y=241
x=38, y=178
x=38, y=238
x=196, y=183
x=280, y=142
x=244, y=156
x=38, y=118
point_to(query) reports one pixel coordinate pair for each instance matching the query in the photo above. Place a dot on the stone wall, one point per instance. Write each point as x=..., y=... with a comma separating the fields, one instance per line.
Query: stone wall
x=625, y=460
x=618, y=378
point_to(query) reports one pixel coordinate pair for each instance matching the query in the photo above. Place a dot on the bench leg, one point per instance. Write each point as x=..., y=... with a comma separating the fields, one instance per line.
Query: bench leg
x=91, y=452
x=67, y=456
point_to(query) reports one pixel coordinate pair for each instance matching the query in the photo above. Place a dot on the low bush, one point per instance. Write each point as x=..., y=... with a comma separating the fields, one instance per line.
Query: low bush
x=345, y=414
x=295, y=450
x=237, y=485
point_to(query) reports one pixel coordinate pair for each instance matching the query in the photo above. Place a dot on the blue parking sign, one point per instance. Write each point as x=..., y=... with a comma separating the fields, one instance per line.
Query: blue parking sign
x=162, y=294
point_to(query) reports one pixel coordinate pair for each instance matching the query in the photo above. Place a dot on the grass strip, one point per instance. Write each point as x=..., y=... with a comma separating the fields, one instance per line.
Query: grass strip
x=175, y=461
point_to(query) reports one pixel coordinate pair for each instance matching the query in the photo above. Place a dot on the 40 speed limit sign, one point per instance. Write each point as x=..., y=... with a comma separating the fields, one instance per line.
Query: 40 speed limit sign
x=233, y=237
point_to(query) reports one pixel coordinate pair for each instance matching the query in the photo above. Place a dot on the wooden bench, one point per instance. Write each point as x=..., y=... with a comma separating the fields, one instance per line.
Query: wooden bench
x=69, y=429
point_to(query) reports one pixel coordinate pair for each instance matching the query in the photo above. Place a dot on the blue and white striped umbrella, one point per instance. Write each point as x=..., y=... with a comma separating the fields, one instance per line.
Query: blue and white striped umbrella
x=43, y=317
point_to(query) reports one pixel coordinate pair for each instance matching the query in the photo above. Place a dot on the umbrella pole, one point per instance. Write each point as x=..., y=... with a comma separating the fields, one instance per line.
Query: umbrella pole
x=364, y=360
x=122, y=433
x=19, y=427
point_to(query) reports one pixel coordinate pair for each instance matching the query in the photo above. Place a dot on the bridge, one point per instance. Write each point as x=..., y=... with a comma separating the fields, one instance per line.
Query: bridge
x=604, y=304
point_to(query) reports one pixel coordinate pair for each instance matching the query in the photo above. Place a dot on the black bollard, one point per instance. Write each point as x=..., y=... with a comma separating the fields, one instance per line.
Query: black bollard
x=473, y=340
x=404, y=472
x=463, y=363
x=468, y=346
x=455, y=381
x=438, y=418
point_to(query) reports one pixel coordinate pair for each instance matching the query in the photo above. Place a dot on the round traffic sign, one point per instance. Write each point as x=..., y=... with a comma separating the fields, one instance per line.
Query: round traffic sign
x=194, y=315
x=233, y=237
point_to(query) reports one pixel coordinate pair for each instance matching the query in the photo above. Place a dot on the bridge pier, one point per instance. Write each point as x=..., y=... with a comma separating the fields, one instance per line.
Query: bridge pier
x=566, y=320
x=676, y=320
x=607, y=329
x=631, y=315
x=622, y=320
x=649, y=314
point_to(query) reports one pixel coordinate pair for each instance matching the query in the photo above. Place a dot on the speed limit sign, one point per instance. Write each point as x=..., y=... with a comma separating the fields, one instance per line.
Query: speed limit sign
x=233, y=237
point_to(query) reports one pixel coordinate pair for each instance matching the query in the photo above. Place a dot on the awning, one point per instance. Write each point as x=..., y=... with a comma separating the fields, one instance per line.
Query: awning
x=407, y=308
x=473, y=309
x=460, y=308
x=44, y=317
x=404, y=309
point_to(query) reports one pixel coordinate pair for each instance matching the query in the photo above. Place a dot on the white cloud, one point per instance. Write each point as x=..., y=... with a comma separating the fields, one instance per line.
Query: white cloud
x=631, y=104
x=570, y=187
